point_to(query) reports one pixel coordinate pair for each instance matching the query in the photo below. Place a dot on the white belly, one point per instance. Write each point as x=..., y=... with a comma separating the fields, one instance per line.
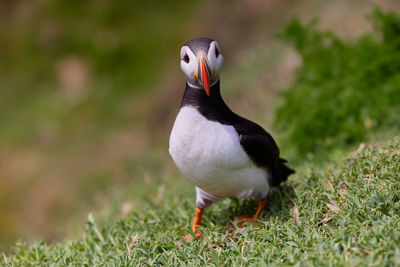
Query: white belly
x=210, y=155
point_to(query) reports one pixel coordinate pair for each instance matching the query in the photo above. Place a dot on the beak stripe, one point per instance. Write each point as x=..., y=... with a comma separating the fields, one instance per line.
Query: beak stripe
x=204, y=76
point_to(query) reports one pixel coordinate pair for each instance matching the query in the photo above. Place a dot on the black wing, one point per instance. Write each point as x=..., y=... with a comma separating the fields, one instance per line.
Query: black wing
x=263, y=151
x=258, y=144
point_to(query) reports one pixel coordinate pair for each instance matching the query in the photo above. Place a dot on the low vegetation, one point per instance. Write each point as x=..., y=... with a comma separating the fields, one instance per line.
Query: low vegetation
x=347, y=214
x=345, y=91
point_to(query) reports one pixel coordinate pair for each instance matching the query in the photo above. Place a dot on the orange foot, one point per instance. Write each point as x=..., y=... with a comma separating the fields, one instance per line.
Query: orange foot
x=243, y=219
x=188, y=237
x=198, y=213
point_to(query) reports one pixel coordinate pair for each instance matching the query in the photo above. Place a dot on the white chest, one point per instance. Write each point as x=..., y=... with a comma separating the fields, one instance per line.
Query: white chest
x=210, y=155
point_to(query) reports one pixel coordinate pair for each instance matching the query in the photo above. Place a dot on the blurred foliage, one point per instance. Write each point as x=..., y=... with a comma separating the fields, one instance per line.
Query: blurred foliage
x=74, y=79
x=344, y=90
x=114, y=49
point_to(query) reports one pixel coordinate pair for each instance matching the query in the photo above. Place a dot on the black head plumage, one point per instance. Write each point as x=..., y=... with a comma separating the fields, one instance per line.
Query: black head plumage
x=198, y=45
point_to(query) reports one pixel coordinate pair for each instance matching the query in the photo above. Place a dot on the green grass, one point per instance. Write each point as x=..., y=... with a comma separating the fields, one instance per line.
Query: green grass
x=345, y=213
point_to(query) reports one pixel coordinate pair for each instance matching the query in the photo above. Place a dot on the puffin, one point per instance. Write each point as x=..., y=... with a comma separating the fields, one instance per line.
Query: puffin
x=223, y=154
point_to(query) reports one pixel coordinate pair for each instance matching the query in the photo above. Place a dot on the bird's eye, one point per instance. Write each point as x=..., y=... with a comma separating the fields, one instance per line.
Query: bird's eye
x=186, y=58
x=216, y=52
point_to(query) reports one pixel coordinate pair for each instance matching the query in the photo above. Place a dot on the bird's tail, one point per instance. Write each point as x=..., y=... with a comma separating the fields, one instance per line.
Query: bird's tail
x=280, y=172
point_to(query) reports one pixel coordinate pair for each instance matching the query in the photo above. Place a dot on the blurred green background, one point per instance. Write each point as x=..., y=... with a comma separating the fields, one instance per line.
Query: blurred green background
x=89, y=91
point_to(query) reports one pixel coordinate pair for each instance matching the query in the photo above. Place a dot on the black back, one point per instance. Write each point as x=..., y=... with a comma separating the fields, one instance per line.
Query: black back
x=256, y=142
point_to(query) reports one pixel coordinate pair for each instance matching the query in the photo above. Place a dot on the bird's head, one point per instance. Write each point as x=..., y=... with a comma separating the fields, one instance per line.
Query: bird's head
x=201, y=61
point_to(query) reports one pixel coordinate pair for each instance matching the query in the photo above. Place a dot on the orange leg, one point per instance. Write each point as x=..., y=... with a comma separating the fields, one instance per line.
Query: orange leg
x=260, y=208
x=198, y=213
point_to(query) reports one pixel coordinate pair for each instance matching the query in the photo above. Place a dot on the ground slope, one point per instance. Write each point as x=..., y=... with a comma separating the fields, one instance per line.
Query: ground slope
x=346, y=214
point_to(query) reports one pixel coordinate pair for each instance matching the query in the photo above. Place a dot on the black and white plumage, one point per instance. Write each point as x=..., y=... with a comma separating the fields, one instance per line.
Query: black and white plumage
x=223, y=154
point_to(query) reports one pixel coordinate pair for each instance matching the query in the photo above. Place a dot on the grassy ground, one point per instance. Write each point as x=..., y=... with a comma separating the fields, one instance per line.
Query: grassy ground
x=344, y=213
x=81, y=131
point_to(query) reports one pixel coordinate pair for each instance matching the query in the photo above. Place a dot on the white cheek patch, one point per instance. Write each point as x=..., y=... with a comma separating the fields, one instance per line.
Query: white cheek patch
x=215, y=62
x=189, y=68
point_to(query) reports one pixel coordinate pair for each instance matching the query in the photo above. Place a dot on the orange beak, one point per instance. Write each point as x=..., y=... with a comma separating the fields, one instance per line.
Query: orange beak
x=205, y=76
